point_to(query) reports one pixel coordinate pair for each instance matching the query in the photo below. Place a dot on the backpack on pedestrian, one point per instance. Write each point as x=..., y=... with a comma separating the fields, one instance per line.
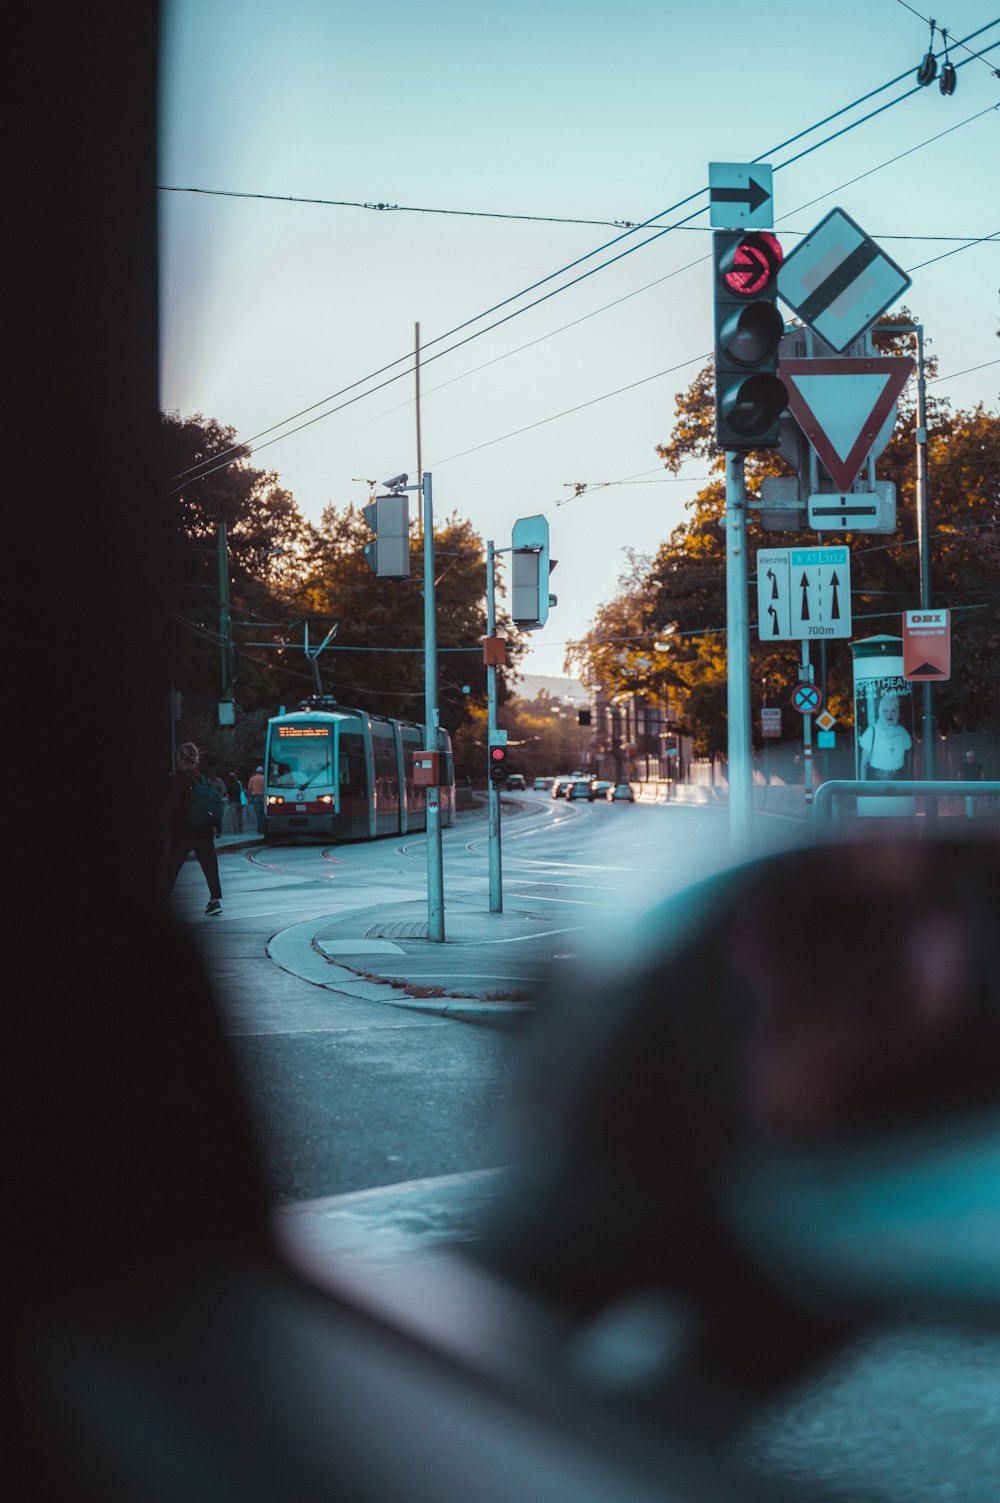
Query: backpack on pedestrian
x=207, y=805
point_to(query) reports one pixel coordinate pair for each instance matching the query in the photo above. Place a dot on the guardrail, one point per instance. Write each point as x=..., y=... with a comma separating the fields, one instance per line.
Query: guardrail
x=826, y=793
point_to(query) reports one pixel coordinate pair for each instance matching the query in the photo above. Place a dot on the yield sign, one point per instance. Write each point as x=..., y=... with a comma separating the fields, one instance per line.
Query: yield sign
x=841, y=404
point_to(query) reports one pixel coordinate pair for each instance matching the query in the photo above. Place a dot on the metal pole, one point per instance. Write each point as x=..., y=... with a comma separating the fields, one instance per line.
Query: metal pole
x=496, y=872
x=923, y=548
x=738, y=656
x=435, y=869
x=807, y=734
x=225, y=625
x=420, y=467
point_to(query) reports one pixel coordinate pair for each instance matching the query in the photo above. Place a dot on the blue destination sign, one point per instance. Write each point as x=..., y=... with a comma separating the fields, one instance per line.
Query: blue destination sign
x=834, y=557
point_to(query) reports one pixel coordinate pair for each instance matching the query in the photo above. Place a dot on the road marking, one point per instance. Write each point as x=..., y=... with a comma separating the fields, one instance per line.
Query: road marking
x=359, y=947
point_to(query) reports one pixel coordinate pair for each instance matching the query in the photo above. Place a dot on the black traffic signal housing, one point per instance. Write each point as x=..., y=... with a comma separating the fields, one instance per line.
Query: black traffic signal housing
x=388, y=554
x=583, y=717
x=749, y=394
x=498, y=764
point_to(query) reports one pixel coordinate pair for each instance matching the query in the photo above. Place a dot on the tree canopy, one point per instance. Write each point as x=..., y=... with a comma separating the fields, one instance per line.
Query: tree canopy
x=290, y=582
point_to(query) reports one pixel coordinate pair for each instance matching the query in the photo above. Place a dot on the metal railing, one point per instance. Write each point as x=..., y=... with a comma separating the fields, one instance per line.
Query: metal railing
x=826, y=793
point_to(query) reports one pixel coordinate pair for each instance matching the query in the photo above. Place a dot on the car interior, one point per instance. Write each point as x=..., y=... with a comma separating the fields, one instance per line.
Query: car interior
x=760, y=1143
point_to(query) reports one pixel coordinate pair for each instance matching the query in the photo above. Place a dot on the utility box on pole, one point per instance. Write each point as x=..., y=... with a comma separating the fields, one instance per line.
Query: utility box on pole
x=388, y=554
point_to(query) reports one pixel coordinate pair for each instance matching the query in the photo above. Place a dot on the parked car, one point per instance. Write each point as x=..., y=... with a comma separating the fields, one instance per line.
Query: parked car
x=581, y=788
x=620, y=793
x=515, y=780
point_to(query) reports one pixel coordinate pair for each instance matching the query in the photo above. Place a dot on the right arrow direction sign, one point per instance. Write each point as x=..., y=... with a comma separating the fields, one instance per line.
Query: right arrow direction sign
x=841, y=404
x=803, y=593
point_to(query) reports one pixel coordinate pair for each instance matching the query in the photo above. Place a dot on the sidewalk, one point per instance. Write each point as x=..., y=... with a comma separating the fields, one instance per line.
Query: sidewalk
x=486, y=969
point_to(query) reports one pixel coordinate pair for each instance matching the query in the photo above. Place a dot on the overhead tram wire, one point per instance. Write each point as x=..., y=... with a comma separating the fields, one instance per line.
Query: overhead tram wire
x=966, y=244
x=618, y=391
x=244, y=444
x=228, y=455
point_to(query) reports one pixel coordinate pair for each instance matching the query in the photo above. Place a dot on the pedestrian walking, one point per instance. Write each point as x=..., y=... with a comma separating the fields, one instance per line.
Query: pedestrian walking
x=971, y=771
x=194, y=817
x=255, y=788
x=234, y=793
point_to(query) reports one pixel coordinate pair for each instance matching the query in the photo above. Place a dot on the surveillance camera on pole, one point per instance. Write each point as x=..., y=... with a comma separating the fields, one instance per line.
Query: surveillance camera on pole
x=396, y=483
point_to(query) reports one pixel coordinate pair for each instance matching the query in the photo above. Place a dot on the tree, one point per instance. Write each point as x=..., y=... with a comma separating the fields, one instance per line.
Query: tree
x=206, y=480
x=376, y=660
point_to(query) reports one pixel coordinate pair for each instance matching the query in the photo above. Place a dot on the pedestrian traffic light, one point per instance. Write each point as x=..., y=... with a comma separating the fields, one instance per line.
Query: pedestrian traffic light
x=530, y=570
x=388, y=554
x=749, y=395
x=498, y=764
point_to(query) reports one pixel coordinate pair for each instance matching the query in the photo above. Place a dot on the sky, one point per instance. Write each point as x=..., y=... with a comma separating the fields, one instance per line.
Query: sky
x=541, y=112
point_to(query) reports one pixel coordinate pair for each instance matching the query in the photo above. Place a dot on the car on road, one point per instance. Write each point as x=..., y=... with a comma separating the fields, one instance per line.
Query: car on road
x=581, y=788
x=515, y=780
x=542, y=785
x=620, y=793
x=601, y=788
x=560, y=786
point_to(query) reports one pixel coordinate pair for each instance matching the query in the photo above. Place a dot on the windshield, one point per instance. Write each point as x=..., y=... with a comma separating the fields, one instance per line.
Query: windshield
x=300, y=756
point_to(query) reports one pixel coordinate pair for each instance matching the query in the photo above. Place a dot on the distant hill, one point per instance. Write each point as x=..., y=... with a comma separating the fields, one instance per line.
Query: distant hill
x=530, y=685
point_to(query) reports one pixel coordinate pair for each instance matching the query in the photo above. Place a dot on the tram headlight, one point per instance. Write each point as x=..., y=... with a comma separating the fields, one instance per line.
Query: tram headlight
x=275, y=798
x=326, y=798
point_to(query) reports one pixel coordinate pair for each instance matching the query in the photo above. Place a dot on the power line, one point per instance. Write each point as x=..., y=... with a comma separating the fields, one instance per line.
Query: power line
x=226, y=456
x=244, y=444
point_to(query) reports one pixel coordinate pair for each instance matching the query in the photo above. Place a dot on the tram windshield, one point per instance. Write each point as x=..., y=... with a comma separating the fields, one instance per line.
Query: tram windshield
x=300, y=756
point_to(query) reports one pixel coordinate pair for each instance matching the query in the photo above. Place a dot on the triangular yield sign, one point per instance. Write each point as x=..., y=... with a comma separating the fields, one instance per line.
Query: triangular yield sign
x=841, y=403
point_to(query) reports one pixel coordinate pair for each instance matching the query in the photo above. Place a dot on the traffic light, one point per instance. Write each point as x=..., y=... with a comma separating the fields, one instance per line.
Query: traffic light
x=583, y=717
x=498, y=764
x=388, y=554
x=529, y=574
x=749, y=395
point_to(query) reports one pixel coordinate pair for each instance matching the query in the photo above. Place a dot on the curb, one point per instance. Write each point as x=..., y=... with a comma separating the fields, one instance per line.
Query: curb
x=308, y=964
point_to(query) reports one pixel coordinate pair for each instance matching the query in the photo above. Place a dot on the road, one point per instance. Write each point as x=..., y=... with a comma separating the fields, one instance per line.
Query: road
x=381, y=1124
x=349, y=1093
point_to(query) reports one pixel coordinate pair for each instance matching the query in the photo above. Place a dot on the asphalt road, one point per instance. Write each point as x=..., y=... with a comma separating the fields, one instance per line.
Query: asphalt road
x=381, y=1126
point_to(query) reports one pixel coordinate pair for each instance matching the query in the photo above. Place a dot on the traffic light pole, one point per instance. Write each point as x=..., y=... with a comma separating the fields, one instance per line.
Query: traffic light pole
x=435, y=866
x=493, y=789
x=738, y=656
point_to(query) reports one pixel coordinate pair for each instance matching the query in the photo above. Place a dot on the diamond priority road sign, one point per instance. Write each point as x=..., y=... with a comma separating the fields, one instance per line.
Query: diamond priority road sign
x=838, y=281
x=841, y=405
x=740, y=196
x=803, y=593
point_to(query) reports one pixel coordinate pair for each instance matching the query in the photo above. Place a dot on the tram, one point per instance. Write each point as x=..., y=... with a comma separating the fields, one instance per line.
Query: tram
x=346, y=775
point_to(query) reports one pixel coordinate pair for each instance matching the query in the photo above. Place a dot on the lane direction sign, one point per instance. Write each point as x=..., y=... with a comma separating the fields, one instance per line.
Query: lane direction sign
x=842, y=405
x=838, y=280
x=803, y=593
x=740, y=196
